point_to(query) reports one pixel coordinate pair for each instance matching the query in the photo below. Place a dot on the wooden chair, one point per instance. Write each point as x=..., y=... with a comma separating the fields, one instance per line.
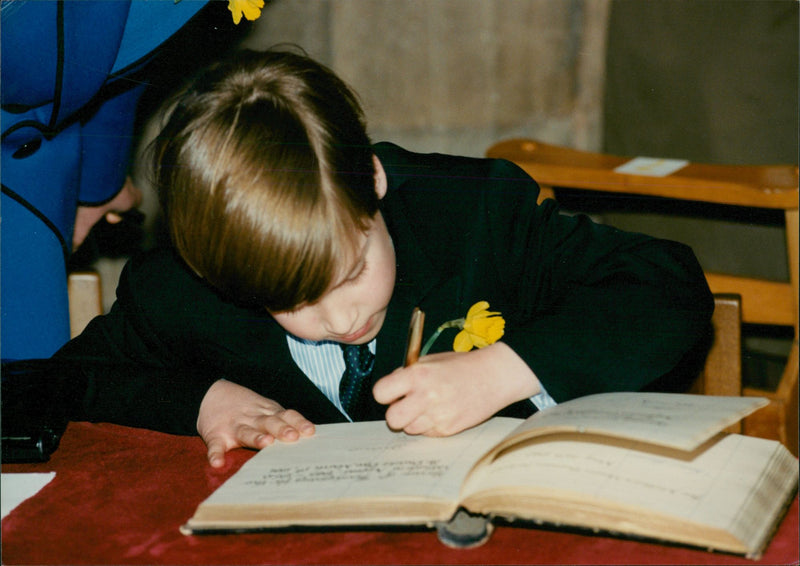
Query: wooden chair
x=85, y=299
x=722, y=372
x=763, y=302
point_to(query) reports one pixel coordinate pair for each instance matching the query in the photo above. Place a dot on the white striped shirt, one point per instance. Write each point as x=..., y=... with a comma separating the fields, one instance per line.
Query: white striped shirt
x=323, y=363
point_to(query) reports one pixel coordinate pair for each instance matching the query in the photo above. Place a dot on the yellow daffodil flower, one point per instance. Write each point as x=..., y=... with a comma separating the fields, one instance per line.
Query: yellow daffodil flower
x=250, y=8
x=479, y=329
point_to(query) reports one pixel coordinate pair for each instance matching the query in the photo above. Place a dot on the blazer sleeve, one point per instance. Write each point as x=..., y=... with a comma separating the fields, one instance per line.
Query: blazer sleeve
x=589, y=307
x=145, y=364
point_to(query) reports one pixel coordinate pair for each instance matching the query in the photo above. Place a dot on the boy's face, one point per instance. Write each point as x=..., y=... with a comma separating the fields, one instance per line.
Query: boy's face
x=353, y=310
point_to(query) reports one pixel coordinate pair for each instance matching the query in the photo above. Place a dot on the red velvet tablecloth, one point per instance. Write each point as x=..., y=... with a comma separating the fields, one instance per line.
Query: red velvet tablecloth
x=120, y=495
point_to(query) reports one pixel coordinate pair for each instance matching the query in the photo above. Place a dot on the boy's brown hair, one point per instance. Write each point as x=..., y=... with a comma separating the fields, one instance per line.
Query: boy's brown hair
x=265, y=174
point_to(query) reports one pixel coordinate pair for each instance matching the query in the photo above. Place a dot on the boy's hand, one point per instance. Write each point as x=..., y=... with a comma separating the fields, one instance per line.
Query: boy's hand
x=232, y=416
x=443, y=394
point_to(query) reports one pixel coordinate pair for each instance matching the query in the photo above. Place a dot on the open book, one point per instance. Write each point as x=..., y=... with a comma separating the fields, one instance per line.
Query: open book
x=644, y=464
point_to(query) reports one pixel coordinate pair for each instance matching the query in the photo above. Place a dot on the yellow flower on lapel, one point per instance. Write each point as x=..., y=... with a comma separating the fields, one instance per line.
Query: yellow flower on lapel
x=478, y=329
x=481, y=328
x=250, y=8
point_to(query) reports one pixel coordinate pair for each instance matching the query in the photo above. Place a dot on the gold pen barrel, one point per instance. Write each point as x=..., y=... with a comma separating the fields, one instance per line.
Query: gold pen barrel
x=414, y=336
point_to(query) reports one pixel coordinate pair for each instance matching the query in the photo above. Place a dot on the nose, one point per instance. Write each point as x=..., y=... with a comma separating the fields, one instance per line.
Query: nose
x=340, y=318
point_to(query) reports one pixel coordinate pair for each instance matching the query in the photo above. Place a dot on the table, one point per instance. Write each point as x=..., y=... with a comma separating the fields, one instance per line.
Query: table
x=120, y=494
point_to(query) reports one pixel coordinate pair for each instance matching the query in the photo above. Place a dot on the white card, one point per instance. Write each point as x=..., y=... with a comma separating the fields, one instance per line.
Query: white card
x=16, y=488
x=651, y=166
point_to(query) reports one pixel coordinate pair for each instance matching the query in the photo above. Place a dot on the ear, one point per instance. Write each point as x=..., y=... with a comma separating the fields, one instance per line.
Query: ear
x=381, y=183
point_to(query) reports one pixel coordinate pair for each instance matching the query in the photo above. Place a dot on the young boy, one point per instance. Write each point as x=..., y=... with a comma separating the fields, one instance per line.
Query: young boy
x=293, y=235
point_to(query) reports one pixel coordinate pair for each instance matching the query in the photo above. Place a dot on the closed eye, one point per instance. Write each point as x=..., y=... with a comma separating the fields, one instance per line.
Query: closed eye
x=358, y=276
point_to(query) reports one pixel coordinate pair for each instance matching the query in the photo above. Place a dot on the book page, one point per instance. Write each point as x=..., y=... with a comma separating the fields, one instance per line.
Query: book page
x=733, y=483
x=716, y=479
x=679, y=421
x=358, y=461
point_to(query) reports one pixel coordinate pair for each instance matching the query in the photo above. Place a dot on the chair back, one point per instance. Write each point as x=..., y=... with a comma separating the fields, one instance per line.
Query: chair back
x=85, y=299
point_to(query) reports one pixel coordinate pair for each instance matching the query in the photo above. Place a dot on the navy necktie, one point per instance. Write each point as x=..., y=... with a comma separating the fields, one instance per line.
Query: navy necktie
x=358, y=361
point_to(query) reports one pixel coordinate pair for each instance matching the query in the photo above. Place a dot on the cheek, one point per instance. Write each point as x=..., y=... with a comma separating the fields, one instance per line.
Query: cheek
x=383, y=284
x=388, y=281
x=380, y=289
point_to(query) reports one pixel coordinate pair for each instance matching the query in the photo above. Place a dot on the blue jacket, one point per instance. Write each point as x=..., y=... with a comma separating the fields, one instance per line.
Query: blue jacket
x=67, y=117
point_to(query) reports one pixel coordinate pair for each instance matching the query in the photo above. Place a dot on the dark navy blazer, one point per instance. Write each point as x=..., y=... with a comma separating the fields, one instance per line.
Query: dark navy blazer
x=588, y=307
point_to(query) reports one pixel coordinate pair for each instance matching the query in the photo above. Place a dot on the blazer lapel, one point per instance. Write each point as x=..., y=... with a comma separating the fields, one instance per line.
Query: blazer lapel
x=419, y=283
x=299, y=391
x=267, y=367
x=416, y=275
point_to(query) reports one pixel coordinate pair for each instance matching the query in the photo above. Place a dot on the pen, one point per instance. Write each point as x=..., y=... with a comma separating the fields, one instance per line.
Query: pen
x=414, y=336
